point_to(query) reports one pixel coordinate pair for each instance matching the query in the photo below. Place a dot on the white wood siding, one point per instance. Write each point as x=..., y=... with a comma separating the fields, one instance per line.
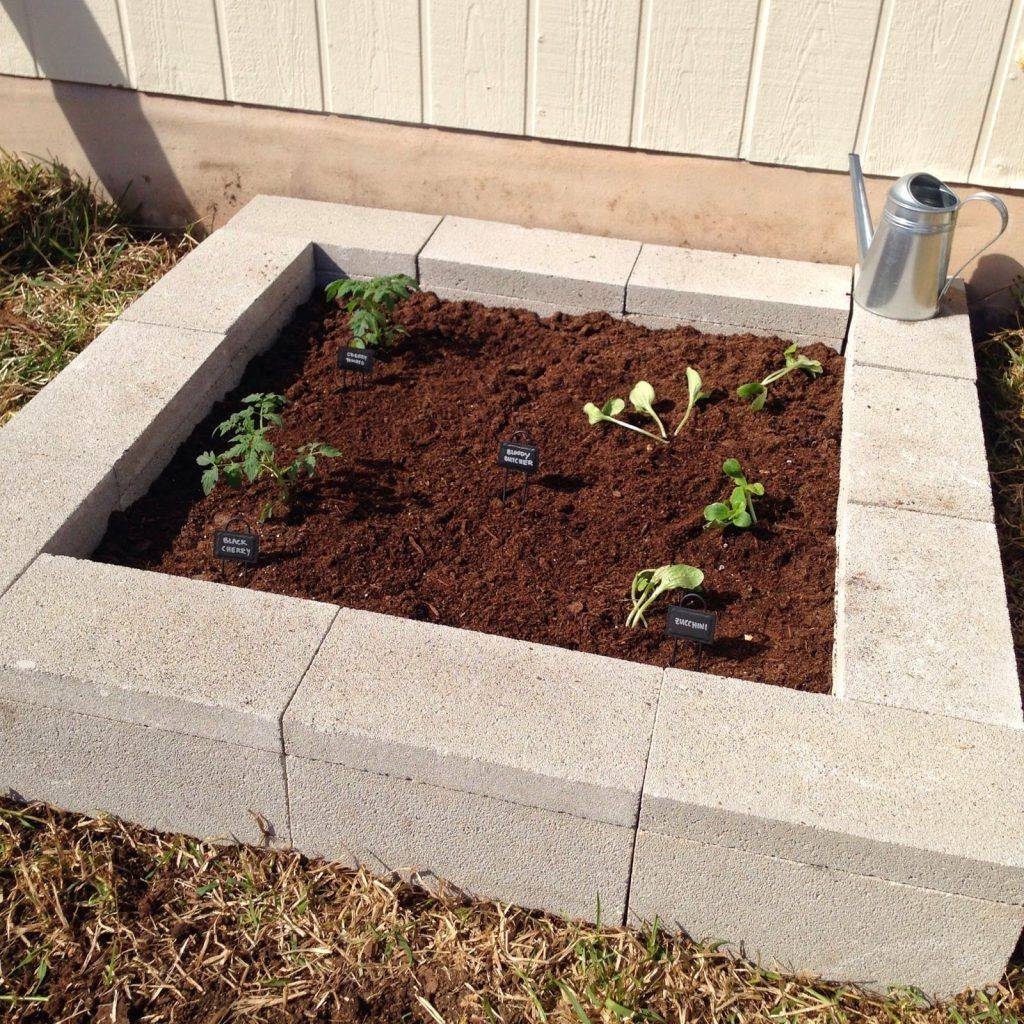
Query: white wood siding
x=913, y=84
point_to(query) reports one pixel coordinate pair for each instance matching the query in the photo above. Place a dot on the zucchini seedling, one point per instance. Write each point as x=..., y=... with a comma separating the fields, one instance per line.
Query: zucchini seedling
x=370, y=305
x=252, y=456
x=739, y=510
x=757, y=393
x=650, y=584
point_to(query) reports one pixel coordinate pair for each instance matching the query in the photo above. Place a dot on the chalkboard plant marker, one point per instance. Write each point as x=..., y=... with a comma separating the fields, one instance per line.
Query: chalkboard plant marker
x=757, y=392
x=357, y=361
x=251, y=454
x=650, y=584
x=739, y=510
x=369, y=305
x=518, y=456
x=695, y=394
x=695, y=624
x=231, y=545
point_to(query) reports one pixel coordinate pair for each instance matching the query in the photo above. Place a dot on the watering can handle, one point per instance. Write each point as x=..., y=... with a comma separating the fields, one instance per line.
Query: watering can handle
x=1004, y=215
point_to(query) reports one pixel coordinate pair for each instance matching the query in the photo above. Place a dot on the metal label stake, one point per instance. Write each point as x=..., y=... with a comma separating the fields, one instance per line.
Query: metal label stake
x=695, y=624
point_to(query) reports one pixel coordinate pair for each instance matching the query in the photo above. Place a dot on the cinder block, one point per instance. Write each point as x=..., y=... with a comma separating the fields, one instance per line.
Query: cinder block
x=522, y=722
x=564, y=270
x=155, y=777
x=228, y=285
x=492, y=848
x=754, y=292
x=942, y=345
x=128, y=401
x=802, y=917
x=669, y=323
x=50, y=504
x=913, y=441
x=509, y=302
x=189, y=656
x=920, y=799
x=921, y=616
x=348, y=241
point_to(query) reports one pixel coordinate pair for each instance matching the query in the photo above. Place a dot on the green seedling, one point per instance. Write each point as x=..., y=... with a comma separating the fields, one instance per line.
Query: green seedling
x=643, y=399
x=370, y=305
x=607, y=414
x=251, y=455
x=739, y=510
x=757, y=393
x=650, y=584
x=696, y=393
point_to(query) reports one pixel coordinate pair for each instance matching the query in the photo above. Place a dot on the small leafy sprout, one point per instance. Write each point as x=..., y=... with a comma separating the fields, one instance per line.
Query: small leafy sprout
x=608, y=412
x=642, y=397
x=369, y=306
x=757, y=393
x=696, y=393
x=739, y=510
x=650, y=584
x=252, y=456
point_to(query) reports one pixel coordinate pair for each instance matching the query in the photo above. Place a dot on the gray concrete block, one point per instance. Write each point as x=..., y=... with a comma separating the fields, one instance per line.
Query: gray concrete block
x=487, y=847
x=154, y=777
x=913, y=441
x=509, y=302
x=942, y=345
x=532, y=724
x=348, y=241
x=189, y=656
x=669, y=323
x=803, y=917
x=50, y=504
x=921, y=616
x=565, y=270
x=914, y=798
x=228, y=285
x=754, y=292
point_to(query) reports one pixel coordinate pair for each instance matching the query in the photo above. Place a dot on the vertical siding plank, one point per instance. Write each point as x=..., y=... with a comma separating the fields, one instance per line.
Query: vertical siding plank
x=15, y=53
x=686, y=47
x=271, y=53
x=78, y=42
x=939, y=59
x=373, y=58
x=174, y=46
x=805, y=105
x=1000, y=156
x=476, y=64
x=583, y=61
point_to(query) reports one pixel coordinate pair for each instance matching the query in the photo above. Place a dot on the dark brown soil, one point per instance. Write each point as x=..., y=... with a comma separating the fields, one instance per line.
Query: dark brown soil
x=410, y=520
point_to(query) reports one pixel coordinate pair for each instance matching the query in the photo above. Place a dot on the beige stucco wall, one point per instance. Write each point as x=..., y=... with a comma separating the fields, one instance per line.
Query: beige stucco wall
x=187, y=161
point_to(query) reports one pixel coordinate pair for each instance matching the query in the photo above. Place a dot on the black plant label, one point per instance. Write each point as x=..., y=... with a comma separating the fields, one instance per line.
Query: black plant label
x=360, y=360
x=691, y=624
x=233, y=546
x=523, y=458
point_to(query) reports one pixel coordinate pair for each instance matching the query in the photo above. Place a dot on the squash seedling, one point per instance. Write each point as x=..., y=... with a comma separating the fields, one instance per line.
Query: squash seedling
x=370, y=305
x=757, y=393
x=739, y=510
x=607, y=414
x=650, y=584
x=252, y=456
x=696, y=393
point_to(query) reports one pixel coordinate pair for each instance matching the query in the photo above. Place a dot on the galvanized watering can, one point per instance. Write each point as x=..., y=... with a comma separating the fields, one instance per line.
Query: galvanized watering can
x=903, y=263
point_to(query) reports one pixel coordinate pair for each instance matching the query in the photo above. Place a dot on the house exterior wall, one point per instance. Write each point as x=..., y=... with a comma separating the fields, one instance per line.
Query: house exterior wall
x=912, y=84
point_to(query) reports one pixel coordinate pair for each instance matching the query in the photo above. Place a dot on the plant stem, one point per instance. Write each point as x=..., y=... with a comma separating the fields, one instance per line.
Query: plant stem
x=639, y=430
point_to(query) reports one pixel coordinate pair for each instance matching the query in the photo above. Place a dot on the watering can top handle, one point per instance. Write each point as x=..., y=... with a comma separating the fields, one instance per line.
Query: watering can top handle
x=1004, y=216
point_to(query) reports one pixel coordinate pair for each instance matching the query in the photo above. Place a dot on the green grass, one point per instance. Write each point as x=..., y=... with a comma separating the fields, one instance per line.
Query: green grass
x=103, y=921
x=70, y=262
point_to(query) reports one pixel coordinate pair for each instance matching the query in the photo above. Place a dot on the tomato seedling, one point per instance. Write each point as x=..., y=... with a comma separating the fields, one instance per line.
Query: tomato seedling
x=370, y=305
x=757, y=393
x=650, y=584
x=251, y=454
x=739, y=510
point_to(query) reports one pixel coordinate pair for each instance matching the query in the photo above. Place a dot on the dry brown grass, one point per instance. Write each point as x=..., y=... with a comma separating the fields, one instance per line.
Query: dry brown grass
x=101, y=920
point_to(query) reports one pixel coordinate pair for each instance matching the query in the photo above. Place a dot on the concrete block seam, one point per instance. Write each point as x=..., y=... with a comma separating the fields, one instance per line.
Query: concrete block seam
x=426, y=242
x=849, y=316
x=625, y=303
x=798, y=336
x=918, y=511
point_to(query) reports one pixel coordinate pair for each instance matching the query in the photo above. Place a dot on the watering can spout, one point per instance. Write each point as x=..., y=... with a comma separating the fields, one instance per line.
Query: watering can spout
x=861, y=211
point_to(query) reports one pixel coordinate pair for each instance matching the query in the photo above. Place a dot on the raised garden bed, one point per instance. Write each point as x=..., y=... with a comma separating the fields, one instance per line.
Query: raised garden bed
x=410, y=520
x=870, y=834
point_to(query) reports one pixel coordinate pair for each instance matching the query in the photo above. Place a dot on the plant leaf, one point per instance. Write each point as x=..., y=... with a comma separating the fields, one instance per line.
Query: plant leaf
x=731, y=468
x=643, y=398
x=742, y=520
x=680, y=577
x=717, y=512
x=613, y=407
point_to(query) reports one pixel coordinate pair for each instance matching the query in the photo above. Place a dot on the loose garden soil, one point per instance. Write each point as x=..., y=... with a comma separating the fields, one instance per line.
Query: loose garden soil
x=410, y=521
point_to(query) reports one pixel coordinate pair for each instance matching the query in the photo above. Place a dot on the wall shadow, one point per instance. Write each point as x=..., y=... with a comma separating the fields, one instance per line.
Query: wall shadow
x=102, y=138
